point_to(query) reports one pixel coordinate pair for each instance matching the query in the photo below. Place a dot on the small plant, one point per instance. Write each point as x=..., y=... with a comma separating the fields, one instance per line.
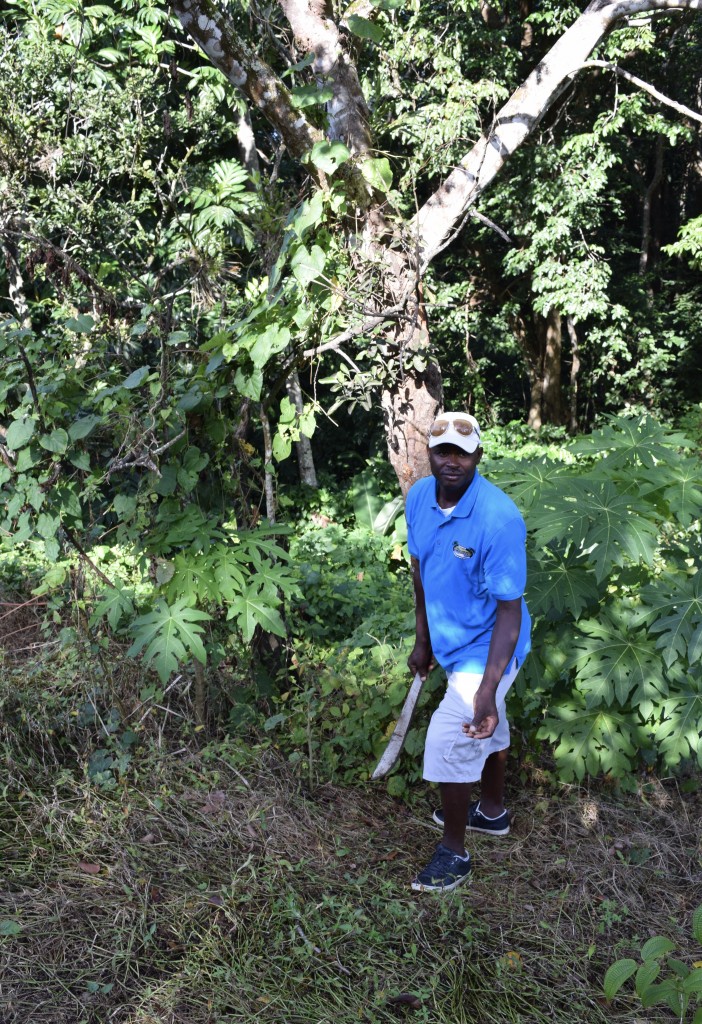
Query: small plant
x=682, y=986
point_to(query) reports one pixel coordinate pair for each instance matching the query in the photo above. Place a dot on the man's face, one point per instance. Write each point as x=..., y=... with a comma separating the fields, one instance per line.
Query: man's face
x=453, y=469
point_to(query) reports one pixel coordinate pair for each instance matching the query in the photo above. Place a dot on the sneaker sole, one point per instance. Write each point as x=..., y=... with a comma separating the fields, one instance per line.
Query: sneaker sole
x=420, y=887
x=472, y=828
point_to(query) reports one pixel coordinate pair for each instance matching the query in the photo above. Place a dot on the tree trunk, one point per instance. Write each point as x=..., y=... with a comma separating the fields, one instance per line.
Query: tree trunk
x=549, y=331
x=303, y=447
x=574, y=371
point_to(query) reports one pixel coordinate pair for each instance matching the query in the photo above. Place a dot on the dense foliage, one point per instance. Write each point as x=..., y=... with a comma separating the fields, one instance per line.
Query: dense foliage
x=163, y=284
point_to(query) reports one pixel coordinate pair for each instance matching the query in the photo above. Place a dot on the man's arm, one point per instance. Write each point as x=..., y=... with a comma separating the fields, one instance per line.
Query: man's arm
x=421, y=659
x=502, y=644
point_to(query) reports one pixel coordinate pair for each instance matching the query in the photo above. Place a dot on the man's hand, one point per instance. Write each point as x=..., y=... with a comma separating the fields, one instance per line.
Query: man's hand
x=421, y=659
x=485, y=717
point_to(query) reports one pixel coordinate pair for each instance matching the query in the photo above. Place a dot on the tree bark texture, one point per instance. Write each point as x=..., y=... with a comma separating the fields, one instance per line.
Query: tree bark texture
x=303, y=447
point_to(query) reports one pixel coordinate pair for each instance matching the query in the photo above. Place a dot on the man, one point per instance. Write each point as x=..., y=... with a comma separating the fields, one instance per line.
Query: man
x=467, y=543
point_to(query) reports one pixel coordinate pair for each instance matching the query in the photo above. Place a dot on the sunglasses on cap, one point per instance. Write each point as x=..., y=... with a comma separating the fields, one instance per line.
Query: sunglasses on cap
x=462, y=427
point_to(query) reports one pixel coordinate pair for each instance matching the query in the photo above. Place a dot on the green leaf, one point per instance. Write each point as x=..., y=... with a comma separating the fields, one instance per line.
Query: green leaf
x=558, y=584
x=136, y=378
x=9, y=927
x=308, y=265
x=19, y=433
x=83, y=427
x=281, y=447
x=365, y=29
x=655, y=947
x=692, y=984
x=590, y=741
x=366, y=501
x=612, y=660
x=81, y=324
x=672, y=607
x=697, y=924
x=327, y=156
x=626, y=442
x=387, y=515
x=308, y=214
x=377, y=173
x=388, y=5
x=56, y=441
x=169, y=636
x=646, y=975
x=617, y=975
x=679, y=730
x=249, y=385
x=114, y=603
x=266, y=344
x=606, y=527
x=310, y=96
x=252, y=609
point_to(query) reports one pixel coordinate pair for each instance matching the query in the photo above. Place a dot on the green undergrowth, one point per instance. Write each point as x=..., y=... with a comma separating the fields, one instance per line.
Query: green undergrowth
x=199, y=882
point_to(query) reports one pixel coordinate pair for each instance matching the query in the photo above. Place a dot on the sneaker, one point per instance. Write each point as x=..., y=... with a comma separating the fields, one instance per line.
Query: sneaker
x=445, y=871
x=477, y=822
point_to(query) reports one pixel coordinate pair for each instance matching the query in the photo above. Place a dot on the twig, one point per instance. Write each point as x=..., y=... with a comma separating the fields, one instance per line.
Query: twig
x=304, y=938
x=84, y=555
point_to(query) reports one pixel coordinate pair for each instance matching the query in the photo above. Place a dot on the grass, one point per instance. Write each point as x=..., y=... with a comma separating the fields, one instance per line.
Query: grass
x=212, y=884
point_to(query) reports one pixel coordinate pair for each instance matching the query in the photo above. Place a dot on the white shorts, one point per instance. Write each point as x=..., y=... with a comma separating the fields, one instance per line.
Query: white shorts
x=449, y=754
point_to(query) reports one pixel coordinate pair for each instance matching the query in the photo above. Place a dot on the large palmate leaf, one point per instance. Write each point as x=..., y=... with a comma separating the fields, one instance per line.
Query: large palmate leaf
x=558, y=585
x=682, y=489
x=679, y=733
x=672, y=608
x=526, y=482
x=255, y=607
x=614, y=661
x=627, y=442
x=169, y=635
x=590, y=740
x=605, y=525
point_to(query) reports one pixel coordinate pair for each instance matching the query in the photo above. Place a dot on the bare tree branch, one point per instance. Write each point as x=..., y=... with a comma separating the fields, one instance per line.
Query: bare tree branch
x=519, y=118
x=216, y=34
x=645, y=87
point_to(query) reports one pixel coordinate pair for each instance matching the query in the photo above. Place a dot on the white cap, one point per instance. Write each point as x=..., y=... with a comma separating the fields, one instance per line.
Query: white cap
x=459, y=428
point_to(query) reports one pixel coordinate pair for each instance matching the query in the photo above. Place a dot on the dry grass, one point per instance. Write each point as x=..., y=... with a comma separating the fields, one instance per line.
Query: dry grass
x=215, y=888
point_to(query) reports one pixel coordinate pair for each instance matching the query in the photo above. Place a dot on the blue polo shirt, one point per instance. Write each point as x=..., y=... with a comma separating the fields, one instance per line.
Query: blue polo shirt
x=469, y=560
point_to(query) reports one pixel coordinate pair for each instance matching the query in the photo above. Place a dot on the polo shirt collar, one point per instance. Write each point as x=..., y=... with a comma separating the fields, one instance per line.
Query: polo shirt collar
x=465, y=505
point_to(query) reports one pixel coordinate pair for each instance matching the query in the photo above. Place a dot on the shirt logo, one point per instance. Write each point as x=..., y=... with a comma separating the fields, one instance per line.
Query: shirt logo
x=461, y=552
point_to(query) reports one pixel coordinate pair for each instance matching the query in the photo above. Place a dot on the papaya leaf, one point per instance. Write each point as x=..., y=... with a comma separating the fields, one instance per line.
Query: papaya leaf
x=169, y=635
x=590, y=740
x=252, y=609
x=626, y=442
x=556, y=584
x=679, y=731
x=526, y=482
x=612, y=660
x=679, y=485
x=114, y=604
x=672, y=608
x=605, y=525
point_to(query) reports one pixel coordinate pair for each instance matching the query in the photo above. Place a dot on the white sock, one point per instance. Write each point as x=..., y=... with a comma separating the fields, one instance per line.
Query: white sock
x=487, y=818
